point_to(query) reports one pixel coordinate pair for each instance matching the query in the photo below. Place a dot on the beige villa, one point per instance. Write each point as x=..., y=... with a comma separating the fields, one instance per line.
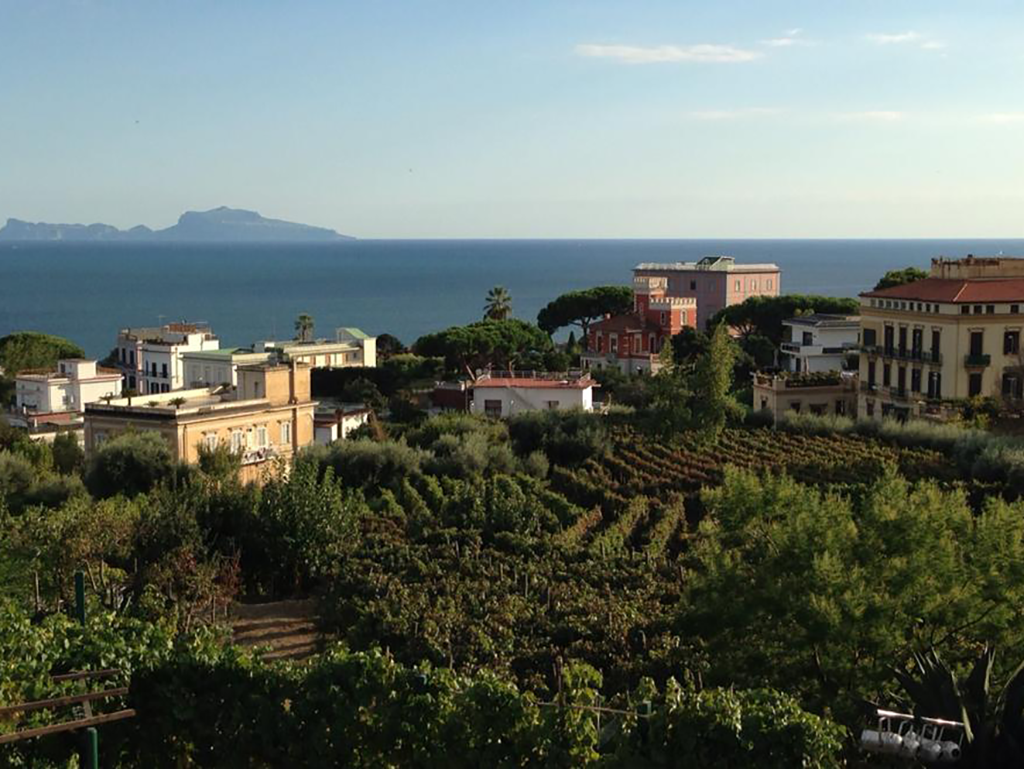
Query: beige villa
x=266, y=419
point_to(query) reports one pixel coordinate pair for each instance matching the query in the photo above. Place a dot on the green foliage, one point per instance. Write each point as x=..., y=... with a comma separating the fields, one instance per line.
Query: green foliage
x=500, y=344
x=220, y=463
x=130, y=464
x=304, y=325
x=498, y=305
x=389, y=346
x=899, y=277
x=367, y=464
x=567, y=438
x=819, y=593
x=68, y=456
x=31, y=349
x=763, y=315
x=713, y=405
x=581, y=308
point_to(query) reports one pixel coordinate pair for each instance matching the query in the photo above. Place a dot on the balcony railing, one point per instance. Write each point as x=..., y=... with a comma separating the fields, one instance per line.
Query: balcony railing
x=923, y=356
x=977, y=360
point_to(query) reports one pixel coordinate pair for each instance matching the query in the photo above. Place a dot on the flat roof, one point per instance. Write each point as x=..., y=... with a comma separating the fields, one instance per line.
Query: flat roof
x=541, y=384
x=714, y=267
x=824, y=319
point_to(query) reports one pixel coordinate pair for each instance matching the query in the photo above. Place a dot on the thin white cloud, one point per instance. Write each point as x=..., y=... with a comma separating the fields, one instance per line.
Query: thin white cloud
x=1003, y=118
x=872, y=116
x=734, y=114
x=893, y=39
x=788, y=39
x=665, y=54
x=933, y=45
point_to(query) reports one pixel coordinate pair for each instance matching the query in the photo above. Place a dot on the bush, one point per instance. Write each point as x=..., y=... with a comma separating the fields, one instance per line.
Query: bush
x=566, y=437
x=68, y=456
x=130, y=464
x=368, y=464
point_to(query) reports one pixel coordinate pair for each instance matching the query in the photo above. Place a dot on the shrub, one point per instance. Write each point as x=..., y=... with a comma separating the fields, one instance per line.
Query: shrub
x=368, y=464
x=130, y=464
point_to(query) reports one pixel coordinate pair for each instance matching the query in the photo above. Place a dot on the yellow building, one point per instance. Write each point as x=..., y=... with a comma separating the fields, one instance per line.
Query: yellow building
x=267, y=418
x=953, y=335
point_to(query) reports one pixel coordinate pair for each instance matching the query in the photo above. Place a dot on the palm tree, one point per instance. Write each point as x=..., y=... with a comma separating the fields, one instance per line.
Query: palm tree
x=499, y=304
x=304, y=327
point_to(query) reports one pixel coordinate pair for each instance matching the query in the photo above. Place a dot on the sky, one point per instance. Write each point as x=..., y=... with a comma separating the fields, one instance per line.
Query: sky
x=520, y=118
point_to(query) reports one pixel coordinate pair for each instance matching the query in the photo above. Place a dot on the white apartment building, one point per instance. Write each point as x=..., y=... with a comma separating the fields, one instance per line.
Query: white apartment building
x=818, y=342
x=74, y=383
x=351, y=347
x=139, y=349
x=502, y=397
x=210, y=368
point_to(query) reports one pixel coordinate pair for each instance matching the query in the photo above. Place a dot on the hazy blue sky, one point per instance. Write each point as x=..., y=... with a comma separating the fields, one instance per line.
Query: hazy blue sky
x=520, y=118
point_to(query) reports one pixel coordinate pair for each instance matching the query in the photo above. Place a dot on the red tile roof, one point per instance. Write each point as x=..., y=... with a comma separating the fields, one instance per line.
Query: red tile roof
x=624, y=324
x=955, y=290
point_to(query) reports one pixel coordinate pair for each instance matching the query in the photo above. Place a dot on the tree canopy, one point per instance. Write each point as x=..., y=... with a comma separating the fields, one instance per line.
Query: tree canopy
x=304, y=326
x=899, y=277
x=501, y=344
x=764, y=314
x=581, y=308
x=32, y=349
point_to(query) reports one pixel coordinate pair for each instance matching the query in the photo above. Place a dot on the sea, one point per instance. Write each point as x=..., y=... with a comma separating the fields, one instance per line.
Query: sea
x=247, y=293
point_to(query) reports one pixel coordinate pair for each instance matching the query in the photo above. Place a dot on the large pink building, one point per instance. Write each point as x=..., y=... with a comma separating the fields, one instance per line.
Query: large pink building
x=714, y=281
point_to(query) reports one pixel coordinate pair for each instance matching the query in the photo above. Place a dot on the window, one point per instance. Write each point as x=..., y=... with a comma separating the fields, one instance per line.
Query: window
x=753, y=285
x=973, y=385
x=964, y=310
x=261, y=437
x=890, y=333
x=903, y=340
x=936, y=339
x=764, y=404
x=768, y=284
x=237, y=441
x=917, y=342
x=1015, y=309
x=131, y=357
x=919, y=307
x=990, y=309
x=693, y=285
x=664, y=319
x=736, y=286
x=871, y=373
x=1012, y=386
x=163, y=370
x=492, y=408
x=977, y=309
x=927, y=307
x=901, y=380
x=840, y=407
x=286, y=433
x=869, y=406
x=552, y=405
x=99, y=438
x=210, y=441
x=795, y=407
x=614, y=343
x=808, y=338
x=915, y=380
x=870, y=337
x=935, y=384
x=124, y=355
x=1011, y=343
x=977, y=343
x=818, y=409
x=886, y=374
x=651, y=341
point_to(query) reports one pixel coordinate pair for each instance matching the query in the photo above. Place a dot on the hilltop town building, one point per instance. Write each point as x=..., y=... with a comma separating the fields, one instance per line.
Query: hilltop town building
x=150, y=359
x=714, y=282
x=632, y=341
x=208, y=368
x=267, y=418
x=351, y=347
x=953, y=335
x=502, y=397
x=819, y=342
x=46, y=400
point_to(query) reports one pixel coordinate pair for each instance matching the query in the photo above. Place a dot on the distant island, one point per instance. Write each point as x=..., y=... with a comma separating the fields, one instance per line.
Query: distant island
x=219, y=225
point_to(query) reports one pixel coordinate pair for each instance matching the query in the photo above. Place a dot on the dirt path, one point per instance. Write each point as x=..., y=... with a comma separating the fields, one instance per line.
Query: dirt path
x=288, y=628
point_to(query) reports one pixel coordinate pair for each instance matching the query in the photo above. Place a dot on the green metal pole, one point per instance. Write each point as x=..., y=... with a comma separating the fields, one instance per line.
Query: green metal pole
x=91, y=749
x=80, y=597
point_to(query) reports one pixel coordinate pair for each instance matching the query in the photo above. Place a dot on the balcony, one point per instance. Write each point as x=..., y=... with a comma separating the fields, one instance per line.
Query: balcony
x=979, y=360
x=795, y=348
x=896, y=353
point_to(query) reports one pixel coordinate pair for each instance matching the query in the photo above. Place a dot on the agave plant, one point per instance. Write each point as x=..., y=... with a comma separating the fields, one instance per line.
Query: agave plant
x=993, y=720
